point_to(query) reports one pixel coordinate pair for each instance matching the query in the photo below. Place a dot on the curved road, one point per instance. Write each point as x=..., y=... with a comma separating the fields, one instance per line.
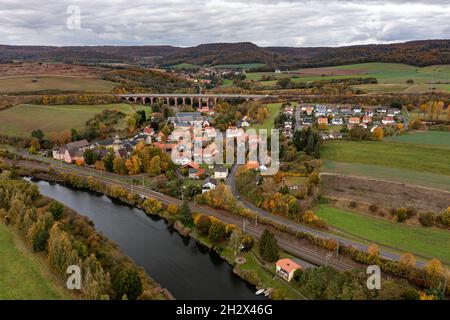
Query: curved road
x=298, y=227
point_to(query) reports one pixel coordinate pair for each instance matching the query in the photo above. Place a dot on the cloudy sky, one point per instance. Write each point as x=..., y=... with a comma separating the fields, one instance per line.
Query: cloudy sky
x=192, y=22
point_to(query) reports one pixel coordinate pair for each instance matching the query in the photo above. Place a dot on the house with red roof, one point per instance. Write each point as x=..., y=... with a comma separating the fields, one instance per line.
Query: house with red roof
x=285, y=268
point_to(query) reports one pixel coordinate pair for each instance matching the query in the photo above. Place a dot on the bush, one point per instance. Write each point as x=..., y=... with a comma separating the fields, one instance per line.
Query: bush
x=401, y=215
x=373, y=208
x=127, y=283
x=411, y=212
x=427, y=219
x=203, y=224
x=57, y=210
x=444, y=217
x=248, y=242
x=353, y=204
x=216, y=231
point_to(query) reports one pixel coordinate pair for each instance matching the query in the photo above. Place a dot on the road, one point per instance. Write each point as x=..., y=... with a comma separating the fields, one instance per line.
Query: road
x=231, y=182
x=285, y=241
x=298, y=118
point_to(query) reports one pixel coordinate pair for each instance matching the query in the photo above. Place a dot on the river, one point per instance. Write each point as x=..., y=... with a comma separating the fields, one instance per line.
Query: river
x=186, y=268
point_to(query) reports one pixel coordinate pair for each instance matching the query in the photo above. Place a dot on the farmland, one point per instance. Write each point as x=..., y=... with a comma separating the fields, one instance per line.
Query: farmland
x=426, y=242
x=391, y=77
x=21, y=120
x=434, y=138
x=410, y=177
x=413, y=157
x=63, y=83
x=19, y=266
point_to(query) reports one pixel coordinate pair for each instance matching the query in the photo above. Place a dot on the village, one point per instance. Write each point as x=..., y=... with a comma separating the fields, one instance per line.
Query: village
x=333, y=120
x=200, y=165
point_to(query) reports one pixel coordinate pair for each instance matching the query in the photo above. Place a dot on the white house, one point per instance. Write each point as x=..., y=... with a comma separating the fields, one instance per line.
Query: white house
x=388, y=120
x=71, y=152
x=209, y=184
x=220, y=172
x=285, y=268
x=337, y=121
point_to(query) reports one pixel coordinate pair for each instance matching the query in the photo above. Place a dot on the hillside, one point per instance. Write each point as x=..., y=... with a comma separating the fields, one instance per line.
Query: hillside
x=417, y=53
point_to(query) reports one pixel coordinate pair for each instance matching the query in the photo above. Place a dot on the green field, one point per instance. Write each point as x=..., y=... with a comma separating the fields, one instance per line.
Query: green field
x=425, y=179
x=425, y=242
x=413, y=157
x=391, y=77
x=268, y=124
x=22, y=274
x=23, y=119
x=239, y=66
x=186, y=66
x=38, y=83
x=433, y=138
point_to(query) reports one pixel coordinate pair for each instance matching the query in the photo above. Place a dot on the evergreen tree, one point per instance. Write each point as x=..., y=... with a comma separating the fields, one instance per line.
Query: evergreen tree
x=185, y=213
x=127, y=283
x=268, y=247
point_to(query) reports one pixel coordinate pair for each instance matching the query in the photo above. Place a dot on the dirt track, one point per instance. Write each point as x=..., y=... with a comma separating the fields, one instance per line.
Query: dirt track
x=384, y=194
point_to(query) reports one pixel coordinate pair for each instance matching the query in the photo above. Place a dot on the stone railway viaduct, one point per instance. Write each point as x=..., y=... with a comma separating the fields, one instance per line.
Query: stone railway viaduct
x=198, y=100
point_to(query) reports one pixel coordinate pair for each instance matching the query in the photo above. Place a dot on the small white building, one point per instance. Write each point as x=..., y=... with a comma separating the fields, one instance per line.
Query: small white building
x=209, y=184
x=285, y=268
x=220, y=172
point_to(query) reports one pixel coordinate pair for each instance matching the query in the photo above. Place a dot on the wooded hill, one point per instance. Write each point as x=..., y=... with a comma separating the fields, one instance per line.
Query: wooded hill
x=418, y=53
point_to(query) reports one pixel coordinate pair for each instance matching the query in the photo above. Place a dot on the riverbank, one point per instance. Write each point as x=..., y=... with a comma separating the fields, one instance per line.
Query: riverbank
x=286, y=236
x=61, y=237
x=252, y=272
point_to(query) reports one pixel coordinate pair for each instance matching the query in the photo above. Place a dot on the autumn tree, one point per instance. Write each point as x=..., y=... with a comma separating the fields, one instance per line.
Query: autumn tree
x=134, y=165
x=99, y=165
x=373, y=250
x=34, y=145
x=216, y=232
x=203, y=223
x=433, y=272
x=119, y=166
x=408, y=259
x=40, y=232
x=155, y=166
x=64, y=137
x=172, y=209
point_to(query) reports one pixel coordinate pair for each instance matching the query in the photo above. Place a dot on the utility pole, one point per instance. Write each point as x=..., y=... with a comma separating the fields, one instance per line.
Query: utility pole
x=327, y=257
x=337, y=249
x=446, y=280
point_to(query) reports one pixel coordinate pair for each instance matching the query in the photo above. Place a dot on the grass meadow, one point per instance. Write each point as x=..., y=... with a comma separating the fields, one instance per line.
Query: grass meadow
x=24, y=275
x=39, y=83
x=425, y=242
x=21, y=120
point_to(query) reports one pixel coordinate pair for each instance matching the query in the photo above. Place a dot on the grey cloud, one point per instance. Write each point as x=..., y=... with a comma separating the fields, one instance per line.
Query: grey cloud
x=186, y=23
